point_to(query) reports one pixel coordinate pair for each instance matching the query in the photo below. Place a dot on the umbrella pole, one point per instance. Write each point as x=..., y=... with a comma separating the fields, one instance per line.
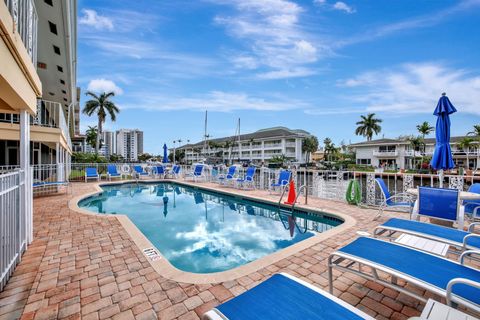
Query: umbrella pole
x=440, y=177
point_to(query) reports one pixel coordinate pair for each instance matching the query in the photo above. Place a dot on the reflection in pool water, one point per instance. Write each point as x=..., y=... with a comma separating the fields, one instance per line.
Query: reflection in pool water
x=200, y=231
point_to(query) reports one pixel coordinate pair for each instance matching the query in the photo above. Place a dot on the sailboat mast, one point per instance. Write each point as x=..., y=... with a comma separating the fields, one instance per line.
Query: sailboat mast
x=205, y=133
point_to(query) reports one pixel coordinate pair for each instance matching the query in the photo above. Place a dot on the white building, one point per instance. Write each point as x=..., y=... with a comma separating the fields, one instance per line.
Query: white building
x=399, y=153
x=129, y=143
x=257, y=147
x=109, y=143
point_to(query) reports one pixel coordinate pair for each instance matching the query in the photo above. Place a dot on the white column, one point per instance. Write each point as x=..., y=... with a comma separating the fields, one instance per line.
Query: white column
x=57, y=160
x=26, y=193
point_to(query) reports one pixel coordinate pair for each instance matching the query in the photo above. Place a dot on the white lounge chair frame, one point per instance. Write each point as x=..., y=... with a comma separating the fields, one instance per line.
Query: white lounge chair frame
x=215, y=314
x=337, y=257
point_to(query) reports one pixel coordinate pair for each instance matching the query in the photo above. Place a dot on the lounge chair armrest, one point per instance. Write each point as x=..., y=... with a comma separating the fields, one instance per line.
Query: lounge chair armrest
x=467, y=237
x=472, y=226
x=475, y=210
x=467, y=253
x=405, y=196
x=455, y=281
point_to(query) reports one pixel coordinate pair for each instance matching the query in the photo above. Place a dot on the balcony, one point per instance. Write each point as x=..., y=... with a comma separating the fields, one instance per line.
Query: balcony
x=272, y=146
x=290, y=144
x=385, y=154
x=412, y=153
x=25, y=17
x=49, y=115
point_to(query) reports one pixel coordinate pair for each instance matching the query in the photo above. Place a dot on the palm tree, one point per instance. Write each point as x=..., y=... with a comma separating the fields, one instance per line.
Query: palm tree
x=309, y=145
x=91, y=136
x=476, y=131
x=416, y=143
x=368, y=125
x=465, y=144
x=425, y=129
x=101, y=105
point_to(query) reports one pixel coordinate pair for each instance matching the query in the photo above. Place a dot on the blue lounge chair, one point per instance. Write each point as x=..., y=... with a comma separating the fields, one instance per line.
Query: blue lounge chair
x=175, y=172
x=139, y=172
x=282, y=297
x=224, y=179
x=91, y=173
x=438, y=275
x=248, y=179
x=159, y=171
x=442, y=204
x=462, y=240
x=198, y=197
x=283, y=179
x=112, y=172
x=196, y=174
x=399, y=201
x=472, y=208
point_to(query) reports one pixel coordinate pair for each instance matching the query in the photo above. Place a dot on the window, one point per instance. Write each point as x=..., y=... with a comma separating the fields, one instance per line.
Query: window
x=60, y=69
x=53, y=27
x=364, y=161
x=64, y=92
x=62, y=81
x=386, y=148
x=56, y=49
x=49, y=2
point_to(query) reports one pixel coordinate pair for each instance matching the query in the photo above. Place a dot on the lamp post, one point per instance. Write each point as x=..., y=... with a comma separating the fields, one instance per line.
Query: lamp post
x=174, y=149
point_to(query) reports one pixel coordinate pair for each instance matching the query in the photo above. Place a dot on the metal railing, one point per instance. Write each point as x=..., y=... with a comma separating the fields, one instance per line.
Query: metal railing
x=13, y=235
x=51, y=114
x=25, y=17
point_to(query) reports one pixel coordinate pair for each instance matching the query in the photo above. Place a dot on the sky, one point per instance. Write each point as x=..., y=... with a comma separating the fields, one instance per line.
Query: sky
x=315, y=65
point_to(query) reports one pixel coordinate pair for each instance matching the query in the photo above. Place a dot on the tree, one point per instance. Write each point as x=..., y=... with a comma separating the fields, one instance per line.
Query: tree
x=368, y=125
x=116, y=158
x=179, y=156
x=101, y=105
x=331, y=151
x=465, y=144
x=417, y=143
x=476, y=131
x=144, y=157
x=425, y=129
x=309, y=145
x=91, y=135
x=280, y=159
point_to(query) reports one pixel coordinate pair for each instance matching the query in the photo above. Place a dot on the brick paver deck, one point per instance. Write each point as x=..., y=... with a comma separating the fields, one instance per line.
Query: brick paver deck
x=86, y=267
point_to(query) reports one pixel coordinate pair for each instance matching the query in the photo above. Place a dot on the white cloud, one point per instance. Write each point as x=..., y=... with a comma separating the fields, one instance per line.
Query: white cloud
x=415, y=88
x=342, y=6
x=319, y=2
x=274, y=37
x=218, y=101
x=104, y=85
x=423, y=21
x=92, y=19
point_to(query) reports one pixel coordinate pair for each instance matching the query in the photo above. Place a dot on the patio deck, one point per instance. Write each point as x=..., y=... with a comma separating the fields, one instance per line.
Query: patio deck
x=86, y=266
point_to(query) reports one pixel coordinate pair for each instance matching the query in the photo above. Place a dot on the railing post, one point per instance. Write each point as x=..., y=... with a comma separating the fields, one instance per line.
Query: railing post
x=25, y=193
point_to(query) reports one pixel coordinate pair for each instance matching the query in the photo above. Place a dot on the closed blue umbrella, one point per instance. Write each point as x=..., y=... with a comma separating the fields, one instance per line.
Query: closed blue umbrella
x=165, y=155
x=442, y=156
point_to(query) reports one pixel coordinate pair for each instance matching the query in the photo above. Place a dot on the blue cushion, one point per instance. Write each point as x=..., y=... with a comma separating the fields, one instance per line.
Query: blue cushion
x=450, y=234
x=282, y=298
x=422, y=266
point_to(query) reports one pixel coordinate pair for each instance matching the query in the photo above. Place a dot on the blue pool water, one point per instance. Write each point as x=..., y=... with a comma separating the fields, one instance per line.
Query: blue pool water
x=201, y=231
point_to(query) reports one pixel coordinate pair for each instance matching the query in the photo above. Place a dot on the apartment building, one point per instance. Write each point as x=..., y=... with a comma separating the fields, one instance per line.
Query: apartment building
x=257, y=147
x=109, y=144
x=129, y=143
x=399, y=153
x=38, y=72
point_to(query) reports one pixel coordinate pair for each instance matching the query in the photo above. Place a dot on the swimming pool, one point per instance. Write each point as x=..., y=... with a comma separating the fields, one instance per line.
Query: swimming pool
x=202, y=231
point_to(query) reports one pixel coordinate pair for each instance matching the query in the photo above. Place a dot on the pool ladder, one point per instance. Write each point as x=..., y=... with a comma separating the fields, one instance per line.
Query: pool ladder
x=303, y=187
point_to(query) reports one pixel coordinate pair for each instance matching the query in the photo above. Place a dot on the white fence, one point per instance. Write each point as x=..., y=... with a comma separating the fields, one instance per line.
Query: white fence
x=14, y=223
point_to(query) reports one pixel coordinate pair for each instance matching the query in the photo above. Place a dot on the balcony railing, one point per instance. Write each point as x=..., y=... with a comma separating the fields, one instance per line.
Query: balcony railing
x=378, y=153
x=25, y=17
